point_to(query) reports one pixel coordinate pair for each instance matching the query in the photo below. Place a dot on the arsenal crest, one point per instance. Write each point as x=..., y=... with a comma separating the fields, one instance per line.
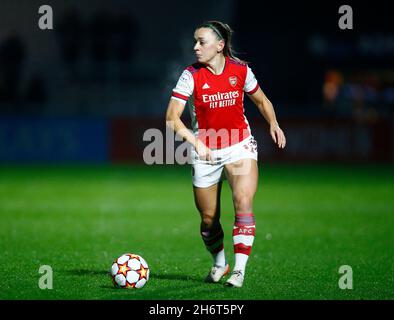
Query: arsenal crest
x=233, y=80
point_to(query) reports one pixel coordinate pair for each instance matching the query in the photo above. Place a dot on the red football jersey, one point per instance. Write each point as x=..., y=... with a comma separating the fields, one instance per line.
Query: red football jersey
x=216, y=101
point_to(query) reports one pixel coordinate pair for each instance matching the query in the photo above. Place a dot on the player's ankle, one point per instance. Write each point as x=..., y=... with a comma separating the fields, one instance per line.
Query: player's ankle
x=239, y=268
x=220, y=264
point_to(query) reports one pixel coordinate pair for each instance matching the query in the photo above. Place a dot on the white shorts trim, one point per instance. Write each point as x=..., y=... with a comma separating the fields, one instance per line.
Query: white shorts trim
x=206, y=174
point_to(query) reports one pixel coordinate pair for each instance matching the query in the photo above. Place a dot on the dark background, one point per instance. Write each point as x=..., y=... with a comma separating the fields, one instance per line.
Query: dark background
x=87, y=90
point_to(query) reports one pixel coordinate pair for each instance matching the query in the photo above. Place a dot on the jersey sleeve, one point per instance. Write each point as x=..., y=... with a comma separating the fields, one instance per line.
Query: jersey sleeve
x=251, y=85
x=184, y=87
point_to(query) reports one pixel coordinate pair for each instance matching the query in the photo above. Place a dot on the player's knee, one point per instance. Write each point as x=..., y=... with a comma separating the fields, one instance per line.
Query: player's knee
x=207, y=221
x=243, y=201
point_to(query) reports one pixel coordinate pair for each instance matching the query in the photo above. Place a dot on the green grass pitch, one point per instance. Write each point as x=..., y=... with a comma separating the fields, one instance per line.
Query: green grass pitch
x=310, y=220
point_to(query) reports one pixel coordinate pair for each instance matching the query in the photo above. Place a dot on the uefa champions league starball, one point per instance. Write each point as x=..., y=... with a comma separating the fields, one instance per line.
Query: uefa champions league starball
x=130, y=271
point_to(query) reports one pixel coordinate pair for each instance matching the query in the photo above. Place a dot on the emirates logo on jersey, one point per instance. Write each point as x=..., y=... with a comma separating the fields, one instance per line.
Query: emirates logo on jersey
x=233, y=80
x=221, y=99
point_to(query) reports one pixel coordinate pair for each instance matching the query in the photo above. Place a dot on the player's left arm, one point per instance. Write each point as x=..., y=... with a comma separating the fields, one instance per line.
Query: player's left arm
x=267, y=110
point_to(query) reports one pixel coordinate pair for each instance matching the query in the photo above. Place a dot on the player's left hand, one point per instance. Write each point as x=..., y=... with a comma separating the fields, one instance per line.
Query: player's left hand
x=277, y=135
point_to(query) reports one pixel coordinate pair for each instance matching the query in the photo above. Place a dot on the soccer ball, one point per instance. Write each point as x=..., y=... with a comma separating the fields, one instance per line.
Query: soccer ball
x=130, y=271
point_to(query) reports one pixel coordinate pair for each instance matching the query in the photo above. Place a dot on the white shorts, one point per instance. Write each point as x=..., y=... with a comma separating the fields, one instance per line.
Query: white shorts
x=206, y=174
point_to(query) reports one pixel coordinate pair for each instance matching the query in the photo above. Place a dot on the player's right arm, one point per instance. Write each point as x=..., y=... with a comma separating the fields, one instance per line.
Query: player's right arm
x=173, y=120
x=176, y=106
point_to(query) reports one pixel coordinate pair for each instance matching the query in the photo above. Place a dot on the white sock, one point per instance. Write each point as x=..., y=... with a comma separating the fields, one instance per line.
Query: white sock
x=240, y=262
x=243, y=238
x=219, y=258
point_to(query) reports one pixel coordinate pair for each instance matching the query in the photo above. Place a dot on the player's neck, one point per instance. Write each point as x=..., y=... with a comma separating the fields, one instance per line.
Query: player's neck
x=216, y=65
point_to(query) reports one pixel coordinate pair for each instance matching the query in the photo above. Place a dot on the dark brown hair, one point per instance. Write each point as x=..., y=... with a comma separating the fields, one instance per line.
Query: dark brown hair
x=223, y=32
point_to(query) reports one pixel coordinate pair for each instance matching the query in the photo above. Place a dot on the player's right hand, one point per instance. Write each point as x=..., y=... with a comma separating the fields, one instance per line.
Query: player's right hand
x=203, y=151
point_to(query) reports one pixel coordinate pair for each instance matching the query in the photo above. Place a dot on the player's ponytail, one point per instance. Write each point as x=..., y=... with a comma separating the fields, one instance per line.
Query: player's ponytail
x=223, y=32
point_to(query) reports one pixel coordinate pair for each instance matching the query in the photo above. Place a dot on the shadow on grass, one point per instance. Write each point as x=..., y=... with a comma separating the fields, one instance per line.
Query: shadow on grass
x=165, y=276
x=109, y=286
x=160, y=276
x=174, y=277
x=177, y=277
x=86, y=272
x=156, y=276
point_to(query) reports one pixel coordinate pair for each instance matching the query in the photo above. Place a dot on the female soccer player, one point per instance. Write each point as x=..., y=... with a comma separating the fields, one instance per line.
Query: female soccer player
x=221, y=141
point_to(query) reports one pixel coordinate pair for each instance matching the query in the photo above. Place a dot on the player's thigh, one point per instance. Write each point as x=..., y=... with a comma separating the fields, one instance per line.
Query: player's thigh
x=242, y=176
x=207, y=200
